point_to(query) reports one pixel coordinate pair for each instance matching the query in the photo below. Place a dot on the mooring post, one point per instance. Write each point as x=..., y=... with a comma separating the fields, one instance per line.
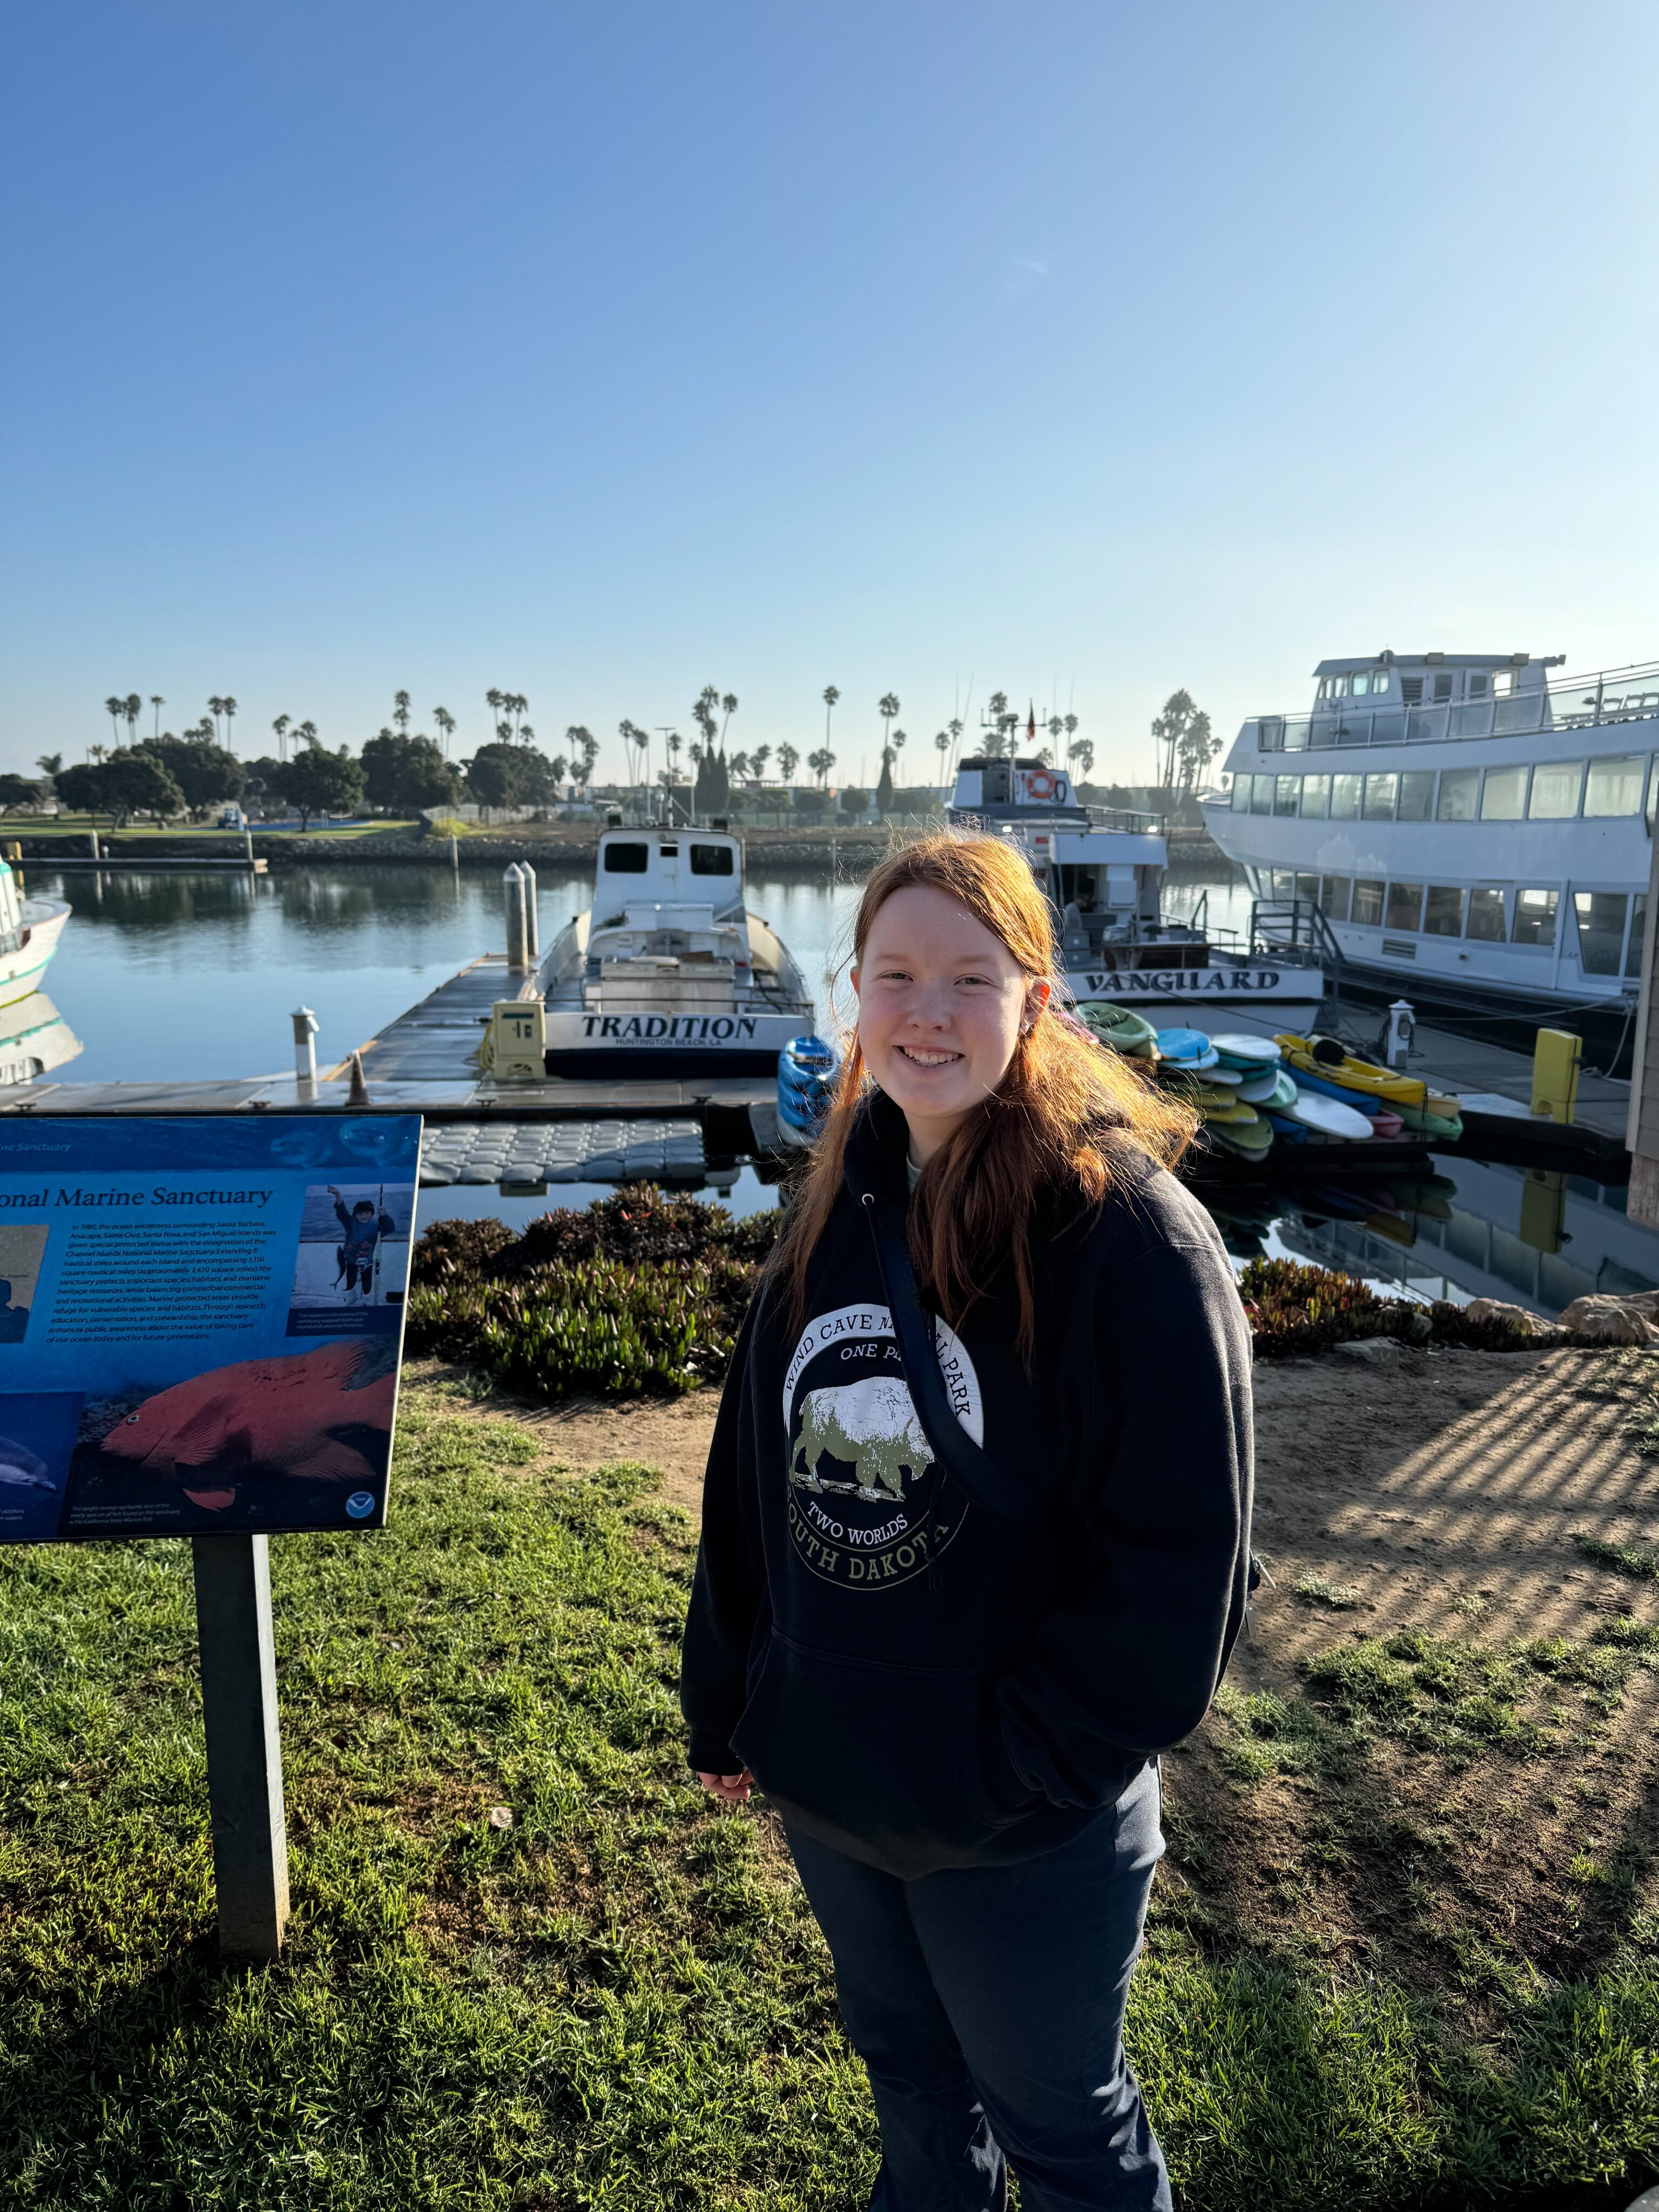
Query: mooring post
x=512, y=898
x=244, y=1751
x=305, y=1050
x=533, y=934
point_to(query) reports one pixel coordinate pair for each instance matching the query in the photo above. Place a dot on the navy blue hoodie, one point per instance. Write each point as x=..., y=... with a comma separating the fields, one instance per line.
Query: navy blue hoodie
x=910, y=1677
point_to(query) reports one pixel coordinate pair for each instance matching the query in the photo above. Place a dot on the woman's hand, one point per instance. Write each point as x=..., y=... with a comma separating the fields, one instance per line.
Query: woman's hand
x=730, y=1789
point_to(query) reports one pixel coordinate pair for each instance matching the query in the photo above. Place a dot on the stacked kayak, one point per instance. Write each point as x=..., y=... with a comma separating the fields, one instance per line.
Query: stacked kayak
x=1126, y=1032
x=1215, y=1083
x=1392, y=1101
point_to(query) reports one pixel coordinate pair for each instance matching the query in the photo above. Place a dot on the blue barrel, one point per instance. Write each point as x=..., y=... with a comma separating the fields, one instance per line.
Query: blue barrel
x=807, y=1069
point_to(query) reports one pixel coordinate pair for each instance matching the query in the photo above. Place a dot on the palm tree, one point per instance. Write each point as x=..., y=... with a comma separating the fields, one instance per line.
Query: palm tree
x=132, y=707
x=446, y=722
x=830, y=695
x=955, y=727
x=216, y=708
x=821, y=762
x=227, y=709
x=115, y=708
x=98, y=752
x=400, y=711
x=1082, y=753
x=758, y=759
x=942, y=742
x=673, y=743
x=702, y=713
x=728, y=707
x=50, y=763
x=788, y=762
x=306, y=734
x=889, y=706
x=158, y=702
x=280, y=726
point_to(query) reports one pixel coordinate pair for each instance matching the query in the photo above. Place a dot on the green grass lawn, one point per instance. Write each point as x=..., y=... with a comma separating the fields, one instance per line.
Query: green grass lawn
x=621, y=2001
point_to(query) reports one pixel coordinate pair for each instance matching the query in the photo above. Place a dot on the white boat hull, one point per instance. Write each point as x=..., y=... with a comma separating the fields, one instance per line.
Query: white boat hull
x=21, y=969
x=1258, y=996
x=34, y=1038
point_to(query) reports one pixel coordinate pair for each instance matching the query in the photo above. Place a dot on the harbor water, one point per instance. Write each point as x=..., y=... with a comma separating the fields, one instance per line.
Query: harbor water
x=166, y=977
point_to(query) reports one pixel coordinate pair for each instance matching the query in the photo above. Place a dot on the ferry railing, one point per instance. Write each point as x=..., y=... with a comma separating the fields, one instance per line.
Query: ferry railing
x=1612, y=695
x=1294, y=925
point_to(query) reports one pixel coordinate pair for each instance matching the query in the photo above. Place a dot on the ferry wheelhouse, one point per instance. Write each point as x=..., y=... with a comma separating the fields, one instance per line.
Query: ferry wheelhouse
x=1473, y=829
x=1103, y=871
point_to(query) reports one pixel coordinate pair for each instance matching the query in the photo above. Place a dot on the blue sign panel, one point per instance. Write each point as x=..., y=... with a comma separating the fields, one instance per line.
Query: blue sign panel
x=201, y=1321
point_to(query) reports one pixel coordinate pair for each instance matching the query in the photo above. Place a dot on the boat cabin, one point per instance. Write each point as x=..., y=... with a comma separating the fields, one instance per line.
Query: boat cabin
x=667, y=868
x=998, y=788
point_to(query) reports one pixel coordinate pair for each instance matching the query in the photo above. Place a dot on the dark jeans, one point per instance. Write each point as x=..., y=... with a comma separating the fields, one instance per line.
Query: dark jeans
x=987, y=2004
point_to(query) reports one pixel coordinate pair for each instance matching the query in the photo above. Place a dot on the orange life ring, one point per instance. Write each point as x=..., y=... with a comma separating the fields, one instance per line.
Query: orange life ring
x=1041, y=783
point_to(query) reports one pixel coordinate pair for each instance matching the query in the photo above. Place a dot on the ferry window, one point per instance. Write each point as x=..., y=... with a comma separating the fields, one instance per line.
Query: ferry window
x=1535, y=917
x=1334, y=892
x=1505, y=683
x=1460, y=792
x=1475, y=684
x=713, y=861
x=1316, y=794
x=1263, y=801
x=627, y=859
x=1416, y=794
x=1600, y=918
x=1614, y=786
x=1505, y=799
x=1405, y=907
x=1242, y=786
x=1288, y=793
x=1362, y=685
x=1444, y=915
x=1411, y=690
x=1307, y=888
x=1368, y=901
x=1380, y=793
x=1380, y=680
x=1638, y=924
x=1443, y=688
x=1345, y=797
x=1555, y=791
x=1486, y=914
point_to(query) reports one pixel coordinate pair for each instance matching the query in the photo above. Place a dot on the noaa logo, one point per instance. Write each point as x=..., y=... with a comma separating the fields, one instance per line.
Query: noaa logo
x=360, y=1504
x=861, y=1510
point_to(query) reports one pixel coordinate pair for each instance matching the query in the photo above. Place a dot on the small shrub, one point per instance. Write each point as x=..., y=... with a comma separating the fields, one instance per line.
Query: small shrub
x=1320, y=1589
x=1294, y=1308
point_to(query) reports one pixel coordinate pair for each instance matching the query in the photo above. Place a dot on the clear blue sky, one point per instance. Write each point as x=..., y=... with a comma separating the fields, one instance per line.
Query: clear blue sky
x=601, y=352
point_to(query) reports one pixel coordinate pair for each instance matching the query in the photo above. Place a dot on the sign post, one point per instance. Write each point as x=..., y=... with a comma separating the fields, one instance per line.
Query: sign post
x=244, y=1751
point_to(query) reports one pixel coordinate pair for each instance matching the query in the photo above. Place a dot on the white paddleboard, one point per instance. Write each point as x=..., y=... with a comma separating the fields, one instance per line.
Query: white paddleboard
x=1329, y=1116
x=1248, y=1052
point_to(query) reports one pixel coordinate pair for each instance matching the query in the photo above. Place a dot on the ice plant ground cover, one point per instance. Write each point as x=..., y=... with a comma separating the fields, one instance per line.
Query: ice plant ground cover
x=620, y=2001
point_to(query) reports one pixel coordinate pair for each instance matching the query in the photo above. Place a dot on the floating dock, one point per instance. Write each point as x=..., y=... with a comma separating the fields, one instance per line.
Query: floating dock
x=524, y=1134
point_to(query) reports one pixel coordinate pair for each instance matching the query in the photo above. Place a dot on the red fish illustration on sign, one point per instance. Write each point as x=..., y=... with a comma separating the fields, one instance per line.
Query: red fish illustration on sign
x=293, y=1417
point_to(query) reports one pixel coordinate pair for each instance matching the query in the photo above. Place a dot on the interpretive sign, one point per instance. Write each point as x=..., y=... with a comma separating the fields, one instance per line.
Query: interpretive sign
x=200, y=1322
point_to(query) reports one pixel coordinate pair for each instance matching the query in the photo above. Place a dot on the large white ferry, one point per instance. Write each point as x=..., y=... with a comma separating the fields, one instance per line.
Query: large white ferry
x=668, y=972
x=1104, y=869
x=1474, y=830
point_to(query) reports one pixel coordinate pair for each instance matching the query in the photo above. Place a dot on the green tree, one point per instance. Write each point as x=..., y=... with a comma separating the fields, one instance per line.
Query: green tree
x=1186, y=746
x=788, y=762
x=19, y=791
x=884, y=785
x=132, y=781
x=207, y=775
x=400, y=710
x=79, y=788
x=50, y=764
x=404, y=774
x=318, y=781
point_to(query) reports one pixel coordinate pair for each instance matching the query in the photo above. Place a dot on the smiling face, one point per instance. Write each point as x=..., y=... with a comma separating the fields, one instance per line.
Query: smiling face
x=942, y=1002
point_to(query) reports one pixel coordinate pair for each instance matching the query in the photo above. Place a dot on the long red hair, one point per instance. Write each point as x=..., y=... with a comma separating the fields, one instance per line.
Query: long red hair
x=1063, y=1118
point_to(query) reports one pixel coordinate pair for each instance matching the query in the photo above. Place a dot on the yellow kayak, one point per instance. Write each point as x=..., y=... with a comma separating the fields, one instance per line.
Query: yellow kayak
x=1323, y=1058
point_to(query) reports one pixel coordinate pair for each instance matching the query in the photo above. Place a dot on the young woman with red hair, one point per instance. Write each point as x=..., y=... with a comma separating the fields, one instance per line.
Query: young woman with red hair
x=946, y=1621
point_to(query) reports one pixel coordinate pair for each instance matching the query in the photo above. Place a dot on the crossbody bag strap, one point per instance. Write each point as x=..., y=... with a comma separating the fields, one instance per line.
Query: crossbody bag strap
x=954, y=1449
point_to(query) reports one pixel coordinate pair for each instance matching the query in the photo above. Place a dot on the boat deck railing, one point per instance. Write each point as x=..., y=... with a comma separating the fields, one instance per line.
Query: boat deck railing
x=1294, y=925
x=1581, y=702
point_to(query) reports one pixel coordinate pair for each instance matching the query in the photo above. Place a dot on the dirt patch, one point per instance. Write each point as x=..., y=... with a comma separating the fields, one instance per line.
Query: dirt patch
x=581, y=1434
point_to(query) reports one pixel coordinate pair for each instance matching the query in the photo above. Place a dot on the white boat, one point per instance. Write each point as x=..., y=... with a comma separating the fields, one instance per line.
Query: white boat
x=29, y=930
x=668, y=973
x=1473, y=833
x=1122, y=950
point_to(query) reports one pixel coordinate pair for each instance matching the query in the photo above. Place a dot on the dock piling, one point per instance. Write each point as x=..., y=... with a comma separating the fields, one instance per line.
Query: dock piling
x=517, y=931
x=305, y=1050
x=531, y=927
x=1402, y=1031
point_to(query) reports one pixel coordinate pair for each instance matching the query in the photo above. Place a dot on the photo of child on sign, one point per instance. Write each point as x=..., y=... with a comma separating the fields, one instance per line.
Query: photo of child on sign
x=352, y=1265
